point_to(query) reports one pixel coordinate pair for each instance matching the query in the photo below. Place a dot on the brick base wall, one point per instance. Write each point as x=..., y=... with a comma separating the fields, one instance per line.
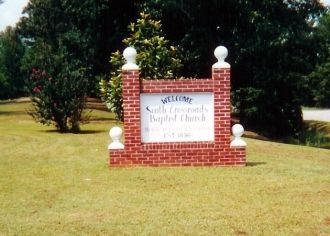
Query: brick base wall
x=178, y=155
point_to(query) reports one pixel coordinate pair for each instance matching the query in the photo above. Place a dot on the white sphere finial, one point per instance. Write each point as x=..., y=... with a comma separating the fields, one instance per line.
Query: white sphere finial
x=130, y=57
x=221, y=53
x=237, y=131
x=115, y=134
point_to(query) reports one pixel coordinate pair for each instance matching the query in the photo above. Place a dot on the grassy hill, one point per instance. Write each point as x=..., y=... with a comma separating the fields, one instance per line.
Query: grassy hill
x=60, y=184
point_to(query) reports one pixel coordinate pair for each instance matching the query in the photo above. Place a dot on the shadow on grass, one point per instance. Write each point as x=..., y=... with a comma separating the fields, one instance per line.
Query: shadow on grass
x=91, y=131
x=81, y=132
x=94, y=118
x=15, y=101
x=12, y=113
x=255, y=163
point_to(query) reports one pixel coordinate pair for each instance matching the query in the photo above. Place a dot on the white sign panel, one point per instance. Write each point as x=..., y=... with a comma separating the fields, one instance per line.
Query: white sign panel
x=177, y=117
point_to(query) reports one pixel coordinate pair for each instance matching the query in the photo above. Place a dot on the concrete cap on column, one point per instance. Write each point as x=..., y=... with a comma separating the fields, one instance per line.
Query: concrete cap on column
x=221, y=53
x=130, y=57
x=115, y=134
x=237, y=131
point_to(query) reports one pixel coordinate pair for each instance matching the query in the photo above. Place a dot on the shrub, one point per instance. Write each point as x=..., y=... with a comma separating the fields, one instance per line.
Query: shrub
x=314, y=134
x=4, y=85
x=58, y=90
x=156, y=58
x=273, y=111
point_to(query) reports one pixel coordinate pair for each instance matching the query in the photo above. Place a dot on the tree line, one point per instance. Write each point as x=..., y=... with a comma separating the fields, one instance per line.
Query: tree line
x=59, y=54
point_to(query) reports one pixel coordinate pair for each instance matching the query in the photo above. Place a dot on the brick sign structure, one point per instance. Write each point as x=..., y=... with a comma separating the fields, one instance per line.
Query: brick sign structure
x=177, y=122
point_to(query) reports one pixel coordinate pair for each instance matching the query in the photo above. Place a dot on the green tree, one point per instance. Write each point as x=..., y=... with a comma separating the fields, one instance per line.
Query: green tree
x=56, y=59
x=319, y=79
x=11, y=51
x=157, y=59
x=90, y=30
x=271, y=43
x=68, y=41
x=320, y=84
x=272, y=48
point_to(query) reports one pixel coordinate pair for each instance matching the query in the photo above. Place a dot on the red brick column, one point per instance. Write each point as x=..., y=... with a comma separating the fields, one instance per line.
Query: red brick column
x=221, y=78
x=131, y=104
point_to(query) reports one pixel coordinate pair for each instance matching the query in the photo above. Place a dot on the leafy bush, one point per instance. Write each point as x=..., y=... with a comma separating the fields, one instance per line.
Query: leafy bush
x=58, y=90
x=111, y=90
x=273, y=111
x=156, y=58
x=314, y=134
x=320, y=84
x=4, y=85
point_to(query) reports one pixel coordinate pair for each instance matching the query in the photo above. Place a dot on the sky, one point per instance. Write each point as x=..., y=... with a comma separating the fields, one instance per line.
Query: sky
x=11, y=11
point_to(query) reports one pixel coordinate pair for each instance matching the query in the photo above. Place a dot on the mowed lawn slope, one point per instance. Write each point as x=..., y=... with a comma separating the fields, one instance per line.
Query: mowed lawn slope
x=60, y=184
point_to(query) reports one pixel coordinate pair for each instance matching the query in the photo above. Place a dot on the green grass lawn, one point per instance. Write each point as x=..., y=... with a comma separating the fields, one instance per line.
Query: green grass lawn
x=60, y=184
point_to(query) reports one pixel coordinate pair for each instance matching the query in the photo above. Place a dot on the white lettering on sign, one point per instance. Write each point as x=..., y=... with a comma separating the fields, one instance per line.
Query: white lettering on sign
x=176, y=117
